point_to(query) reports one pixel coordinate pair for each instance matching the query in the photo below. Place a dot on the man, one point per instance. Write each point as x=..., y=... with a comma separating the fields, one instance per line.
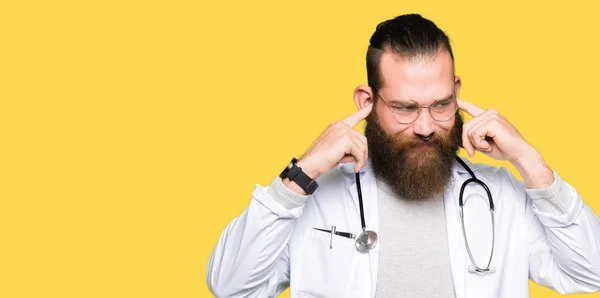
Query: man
x=416, y=221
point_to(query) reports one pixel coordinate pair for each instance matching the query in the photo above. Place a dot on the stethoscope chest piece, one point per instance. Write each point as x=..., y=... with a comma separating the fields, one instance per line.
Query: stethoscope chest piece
x=366, y=241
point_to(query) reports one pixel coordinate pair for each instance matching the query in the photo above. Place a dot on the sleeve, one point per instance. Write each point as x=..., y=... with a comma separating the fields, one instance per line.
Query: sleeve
x=251, y=258
x=564, y=250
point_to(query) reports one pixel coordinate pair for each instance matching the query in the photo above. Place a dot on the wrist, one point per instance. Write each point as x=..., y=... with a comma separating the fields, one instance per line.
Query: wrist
x=291, y=185
x=525, y=157
x=307, y=169
x=297, y=179
x=534, y=170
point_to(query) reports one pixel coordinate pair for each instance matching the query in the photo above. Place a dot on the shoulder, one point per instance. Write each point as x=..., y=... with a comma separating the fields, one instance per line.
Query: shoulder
x=481, y=168
x=497, y=175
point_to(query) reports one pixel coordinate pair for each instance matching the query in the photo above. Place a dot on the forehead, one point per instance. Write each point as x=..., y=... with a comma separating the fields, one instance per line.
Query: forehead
x=423, y=79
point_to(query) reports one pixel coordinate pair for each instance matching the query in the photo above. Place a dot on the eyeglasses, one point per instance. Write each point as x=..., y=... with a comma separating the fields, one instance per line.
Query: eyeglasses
x=407, y=111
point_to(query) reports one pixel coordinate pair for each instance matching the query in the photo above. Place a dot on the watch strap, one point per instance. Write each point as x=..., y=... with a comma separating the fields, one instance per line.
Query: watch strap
x=295, y=173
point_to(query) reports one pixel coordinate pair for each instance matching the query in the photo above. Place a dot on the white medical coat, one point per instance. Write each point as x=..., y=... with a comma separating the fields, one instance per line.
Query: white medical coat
x=268, y=247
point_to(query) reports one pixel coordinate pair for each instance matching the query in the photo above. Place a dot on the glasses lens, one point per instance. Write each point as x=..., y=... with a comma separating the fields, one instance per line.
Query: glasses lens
x=443, y=110
x=405, y=111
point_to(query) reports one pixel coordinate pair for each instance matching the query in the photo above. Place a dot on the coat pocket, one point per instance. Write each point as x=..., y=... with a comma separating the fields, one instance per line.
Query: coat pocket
x=325, y=271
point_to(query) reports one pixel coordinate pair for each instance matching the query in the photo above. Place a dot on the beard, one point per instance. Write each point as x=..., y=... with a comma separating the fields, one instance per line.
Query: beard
x=413, y=172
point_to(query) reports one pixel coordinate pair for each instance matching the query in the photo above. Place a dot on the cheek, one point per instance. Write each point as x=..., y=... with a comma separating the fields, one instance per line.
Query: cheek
x=446, y=126
x=390, y=125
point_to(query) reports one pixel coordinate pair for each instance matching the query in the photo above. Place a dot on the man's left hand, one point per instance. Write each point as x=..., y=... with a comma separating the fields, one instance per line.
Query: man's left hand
x=490, y=133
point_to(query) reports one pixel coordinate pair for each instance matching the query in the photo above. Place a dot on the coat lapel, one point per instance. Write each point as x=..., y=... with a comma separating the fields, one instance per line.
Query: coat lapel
x=456, y=244
x=371, y=209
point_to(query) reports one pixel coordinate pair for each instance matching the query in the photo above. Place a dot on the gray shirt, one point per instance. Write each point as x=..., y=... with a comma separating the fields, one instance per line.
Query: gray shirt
x=413, y=253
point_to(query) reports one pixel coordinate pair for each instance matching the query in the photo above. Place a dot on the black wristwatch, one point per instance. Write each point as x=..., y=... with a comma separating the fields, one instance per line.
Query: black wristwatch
x=296, y=174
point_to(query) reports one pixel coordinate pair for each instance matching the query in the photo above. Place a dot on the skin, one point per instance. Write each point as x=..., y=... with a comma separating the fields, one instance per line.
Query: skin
x=424, y=80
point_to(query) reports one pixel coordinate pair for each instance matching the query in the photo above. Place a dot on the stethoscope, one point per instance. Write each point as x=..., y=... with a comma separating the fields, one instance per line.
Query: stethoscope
x=367, y=240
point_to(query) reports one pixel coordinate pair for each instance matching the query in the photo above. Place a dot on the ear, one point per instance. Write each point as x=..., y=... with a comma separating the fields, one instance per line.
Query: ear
x=457, y=84
x=363, y=96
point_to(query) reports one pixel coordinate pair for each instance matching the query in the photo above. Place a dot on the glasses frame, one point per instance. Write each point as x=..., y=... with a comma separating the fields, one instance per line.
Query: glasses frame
x=420, y=108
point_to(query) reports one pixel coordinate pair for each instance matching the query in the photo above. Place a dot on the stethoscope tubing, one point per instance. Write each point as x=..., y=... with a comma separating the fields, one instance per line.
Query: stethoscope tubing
x=368, y=239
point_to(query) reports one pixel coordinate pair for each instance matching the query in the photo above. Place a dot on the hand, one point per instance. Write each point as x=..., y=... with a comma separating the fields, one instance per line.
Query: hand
x=340, y=142
x=490, y=133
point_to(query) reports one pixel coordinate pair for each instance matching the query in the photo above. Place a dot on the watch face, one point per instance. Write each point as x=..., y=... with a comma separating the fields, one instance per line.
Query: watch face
x=286, y=170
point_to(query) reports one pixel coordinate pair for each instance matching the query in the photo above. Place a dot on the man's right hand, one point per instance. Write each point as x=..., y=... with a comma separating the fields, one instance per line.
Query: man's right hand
x=340, y=142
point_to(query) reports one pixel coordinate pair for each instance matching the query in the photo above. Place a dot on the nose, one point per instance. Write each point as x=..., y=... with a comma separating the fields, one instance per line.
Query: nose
x=424, y=125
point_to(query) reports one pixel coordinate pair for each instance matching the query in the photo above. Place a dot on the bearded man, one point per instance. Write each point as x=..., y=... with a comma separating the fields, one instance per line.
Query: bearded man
x=396, y=213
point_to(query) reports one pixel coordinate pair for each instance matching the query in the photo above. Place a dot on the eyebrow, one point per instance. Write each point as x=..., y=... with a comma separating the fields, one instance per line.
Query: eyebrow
x=396, y=102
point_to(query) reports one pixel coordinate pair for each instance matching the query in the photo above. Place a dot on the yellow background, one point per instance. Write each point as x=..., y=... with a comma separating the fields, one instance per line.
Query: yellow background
x=132, y=132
